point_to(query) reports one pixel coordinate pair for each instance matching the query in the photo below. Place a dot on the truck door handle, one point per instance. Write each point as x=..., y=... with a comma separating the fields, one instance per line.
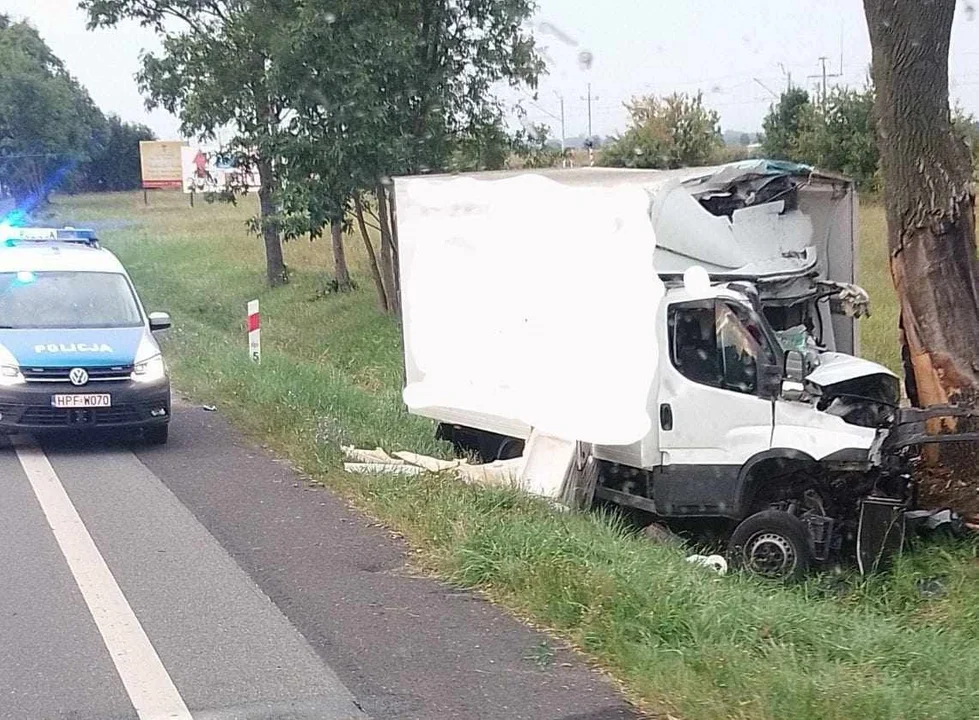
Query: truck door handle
x=666, y=416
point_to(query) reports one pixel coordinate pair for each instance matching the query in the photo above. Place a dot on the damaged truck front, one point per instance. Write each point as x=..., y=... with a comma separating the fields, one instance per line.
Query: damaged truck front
x=684, y=331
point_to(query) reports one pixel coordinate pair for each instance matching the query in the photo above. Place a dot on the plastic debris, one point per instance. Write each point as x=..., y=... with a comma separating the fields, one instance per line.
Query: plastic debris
x=714, y=562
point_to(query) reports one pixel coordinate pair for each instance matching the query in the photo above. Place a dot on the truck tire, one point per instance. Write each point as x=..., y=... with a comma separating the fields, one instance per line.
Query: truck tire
x=771, y=544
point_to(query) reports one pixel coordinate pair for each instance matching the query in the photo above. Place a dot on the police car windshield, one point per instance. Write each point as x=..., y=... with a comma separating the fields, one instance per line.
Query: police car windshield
x=65, y=300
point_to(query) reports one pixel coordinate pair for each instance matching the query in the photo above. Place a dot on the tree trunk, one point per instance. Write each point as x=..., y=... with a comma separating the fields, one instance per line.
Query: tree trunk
x=382, y=300
x=342, y=275
x=388, y=259
x=275, y=267
x=927, y=173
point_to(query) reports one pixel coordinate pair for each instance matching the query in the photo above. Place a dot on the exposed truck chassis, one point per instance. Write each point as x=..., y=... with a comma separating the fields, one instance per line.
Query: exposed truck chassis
x=852, y=509
x=843, y=509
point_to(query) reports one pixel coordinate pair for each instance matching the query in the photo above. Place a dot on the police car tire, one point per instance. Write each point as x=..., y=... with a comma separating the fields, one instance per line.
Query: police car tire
x=156, y=435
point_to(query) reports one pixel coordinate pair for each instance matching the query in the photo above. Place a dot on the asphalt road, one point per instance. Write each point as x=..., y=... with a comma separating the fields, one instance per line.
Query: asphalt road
x=205, y=580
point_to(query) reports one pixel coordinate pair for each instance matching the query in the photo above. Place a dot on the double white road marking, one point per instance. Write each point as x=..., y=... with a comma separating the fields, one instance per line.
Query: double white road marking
x=149, y=686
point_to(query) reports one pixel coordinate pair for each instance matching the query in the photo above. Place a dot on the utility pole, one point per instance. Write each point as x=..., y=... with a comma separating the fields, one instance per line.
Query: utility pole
x=589, y=143
x=561, y=98
x=589, y=98
x=823, y=60
x=788, y=77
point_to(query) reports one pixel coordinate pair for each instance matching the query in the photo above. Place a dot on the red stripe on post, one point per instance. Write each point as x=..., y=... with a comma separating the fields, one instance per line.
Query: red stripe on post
x=254, y=322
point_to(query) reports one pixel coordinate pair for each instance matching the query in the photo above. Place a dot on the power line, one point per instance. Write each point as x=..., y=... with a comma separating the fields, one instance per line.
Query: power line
x=823, y=59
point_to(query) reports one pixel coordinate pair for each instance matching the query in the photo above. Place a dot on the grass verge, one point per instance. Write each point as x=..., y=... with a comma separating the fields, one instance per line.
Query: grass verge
x=682, y=640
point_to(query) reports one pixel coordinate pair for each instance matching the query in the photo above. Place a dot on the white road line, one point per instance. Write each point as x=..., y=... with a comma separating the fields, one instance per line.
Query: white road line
x=147, y=682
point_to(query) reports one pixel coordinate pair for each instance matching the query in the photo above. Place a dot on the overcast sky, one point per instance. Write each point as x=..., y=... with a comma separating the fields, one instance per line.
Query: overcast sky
x=738, y=53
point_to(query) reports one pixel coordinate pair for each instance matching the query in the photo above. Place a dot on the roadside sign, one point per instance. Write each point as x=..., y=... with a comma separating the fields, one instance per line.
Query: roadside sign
x=254, y=332
x=160, y=163
x=206, y=170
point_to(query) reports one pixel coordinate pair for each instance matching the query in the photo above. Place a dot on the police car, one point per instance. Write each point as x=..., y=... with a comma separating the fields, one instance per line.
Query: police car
x=76, y=347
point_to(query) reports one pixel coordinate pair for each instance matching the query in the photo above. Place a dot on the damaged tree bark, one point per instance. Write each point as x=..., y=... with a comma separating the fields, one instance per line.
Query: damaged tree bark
x=927, y=174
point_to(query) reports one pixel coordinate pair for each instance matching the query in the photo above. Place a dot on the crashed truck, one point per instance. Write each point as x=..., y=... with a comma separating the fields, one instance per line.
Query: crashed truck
x=680, y=343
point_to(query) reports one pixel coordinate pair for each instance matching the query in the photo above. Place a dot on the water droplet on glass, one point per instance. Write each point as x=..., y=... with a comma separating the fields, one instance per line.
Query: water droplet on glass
x=585, y=60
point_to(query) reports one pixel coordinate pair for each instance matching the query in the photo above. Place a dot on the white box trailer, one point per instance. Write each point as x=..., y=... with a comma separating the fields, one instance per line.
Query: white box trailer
x=636, y=314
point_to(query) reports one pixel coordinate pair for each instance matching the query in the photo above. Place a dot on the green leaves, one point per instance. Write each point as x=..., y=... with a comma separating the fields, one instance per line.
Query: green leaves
x=48, y=122
x=837, y=134
x=675, y=131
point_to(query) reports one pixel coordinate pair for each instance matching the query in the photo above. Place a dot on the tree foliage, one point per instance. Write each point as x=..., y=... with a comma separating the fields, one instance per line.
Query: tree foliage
x=48, y=123
x=381, y=89
x=114, y=163
x=836, y=134
x=217, y=70
x=671, y=132
x=782, y=125
x=533, y=147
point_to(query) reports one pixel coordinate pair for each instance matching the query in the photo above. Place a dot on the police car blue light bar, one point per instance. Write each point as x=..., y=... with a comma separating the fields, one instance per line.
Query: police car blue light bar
x=12, y=235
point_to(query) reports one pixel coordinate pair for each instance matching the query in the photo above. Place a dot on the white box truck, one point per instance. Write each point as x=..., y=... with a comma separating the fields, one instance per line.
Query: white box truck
x=689, y=330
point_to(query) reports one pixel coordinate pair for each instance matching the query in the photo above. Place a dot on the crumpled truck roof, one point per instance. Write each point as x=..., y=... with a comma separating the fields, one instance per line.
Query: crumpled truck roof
x=780, y=237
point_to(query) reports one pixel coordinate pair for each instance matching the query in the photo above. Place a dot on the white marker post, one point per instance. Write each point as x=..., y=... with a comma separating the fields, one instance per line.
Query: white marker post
x=254, y=332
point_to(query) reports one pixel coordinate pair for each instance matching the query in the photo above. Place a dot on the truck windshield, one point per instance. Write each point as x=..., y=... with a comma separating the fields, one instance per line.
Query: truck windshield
x=41, y=300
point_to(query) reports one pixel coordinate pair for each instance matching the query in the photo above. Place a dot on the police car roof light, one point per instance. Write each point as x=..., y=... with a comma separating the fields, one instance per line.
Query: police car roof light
x=13, y=235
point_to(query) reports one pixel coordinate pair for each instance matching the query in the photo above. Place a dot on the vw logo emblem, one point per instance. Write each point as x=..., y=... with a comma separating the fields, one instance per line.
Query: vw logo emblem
x=78, y=376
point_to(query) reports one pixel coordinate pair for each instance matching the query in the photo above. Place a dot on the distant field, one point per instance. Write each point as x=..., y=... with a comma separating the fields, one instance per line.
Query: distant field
x=681, y=640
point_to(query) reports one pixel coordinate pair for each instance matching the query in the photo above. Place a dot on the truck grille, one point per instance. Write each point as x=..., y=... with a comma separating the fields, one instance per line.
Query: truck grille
x=115, y=373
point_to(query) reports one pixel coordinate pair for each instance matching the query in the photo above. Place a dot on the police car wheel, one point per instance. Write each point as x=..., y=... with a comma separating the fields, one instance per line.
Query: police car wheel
x=156, y=435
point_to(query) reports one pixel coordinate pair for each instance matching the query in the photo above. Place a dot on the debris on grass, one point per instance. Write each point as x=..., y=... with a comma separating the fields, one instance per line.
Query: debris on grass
x=499, y=473
x=714, y=562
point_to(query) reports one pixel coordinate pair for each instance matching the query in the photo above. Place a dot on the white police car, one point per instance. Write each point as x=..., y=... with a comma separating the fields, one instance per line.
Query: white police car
x=76, y=346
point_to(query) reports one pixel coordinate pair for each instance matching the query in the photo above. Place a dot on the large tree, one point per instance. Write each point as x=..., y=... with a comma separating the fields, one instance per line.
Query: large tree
x=48, y=122
x=380, y=89
x=928, y=193
x=216, y=71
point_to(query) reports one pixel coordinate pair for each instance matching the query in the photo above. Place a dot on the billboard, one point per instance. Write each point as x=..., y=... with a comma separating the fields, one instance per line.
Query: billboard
x=205, y=170
x=160, y=163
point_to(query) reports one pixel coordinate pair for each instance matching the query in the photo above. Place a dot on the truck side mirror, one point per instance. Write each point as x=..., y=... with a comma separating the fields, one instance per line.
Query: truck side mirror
x=794, y=365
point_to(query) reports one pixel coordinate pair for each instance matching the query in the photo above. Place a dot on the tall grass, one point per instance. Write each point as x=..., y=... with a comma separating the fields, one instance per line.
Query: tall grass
x=683, y=640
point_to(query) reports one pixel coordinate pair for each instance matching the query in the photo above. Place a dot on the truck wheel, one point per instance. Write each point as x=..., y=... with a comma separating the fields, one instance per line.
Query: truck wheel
x=771, y=544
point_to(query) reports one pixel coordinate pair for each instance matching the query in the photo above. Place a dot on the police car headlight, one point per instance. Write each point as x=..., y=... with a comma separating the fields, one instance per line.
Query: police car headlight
x=9, y=369
x=152, y=370
x=10, y=375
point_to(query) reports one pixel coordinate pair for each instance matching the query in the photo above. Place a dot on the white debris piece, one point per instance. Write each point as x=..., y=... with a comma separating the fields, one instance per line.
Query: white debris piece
x=555, y=469
x=714, y=562
x=377, y=455
x=382, y=468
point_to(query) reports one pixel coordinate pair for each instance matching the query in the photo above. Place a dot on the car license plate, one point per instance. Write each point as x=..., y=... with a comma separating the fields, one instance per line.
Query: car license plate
x=82, y=401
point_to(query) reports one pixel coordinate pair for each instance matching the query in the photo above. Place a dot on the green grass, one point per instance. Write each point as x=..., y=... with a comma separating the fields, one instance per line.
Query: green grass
x=681, y=639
